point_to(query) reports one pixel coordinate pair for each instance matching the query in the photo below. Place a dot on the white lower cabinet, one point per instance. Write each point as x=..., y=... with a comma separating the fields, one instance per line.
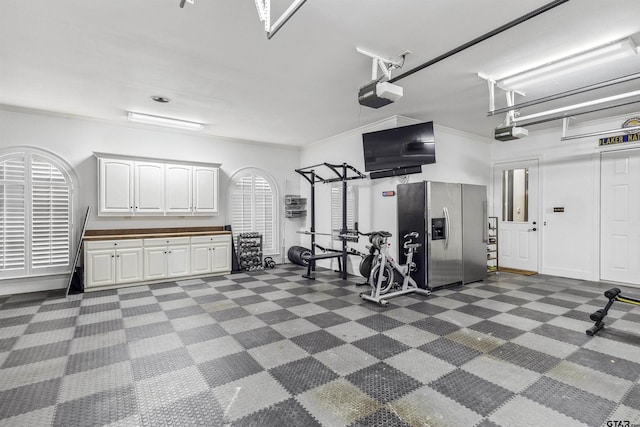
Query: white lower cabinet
x=210, y=254
x=109, y=263
x=113, y=262
x=166, y=257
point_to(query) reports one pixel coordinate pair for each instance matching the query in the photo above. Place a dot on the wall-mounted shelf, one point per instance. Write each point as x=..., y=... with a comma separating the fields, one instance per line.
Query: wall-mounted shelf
x=492, y=245
x=295, y=206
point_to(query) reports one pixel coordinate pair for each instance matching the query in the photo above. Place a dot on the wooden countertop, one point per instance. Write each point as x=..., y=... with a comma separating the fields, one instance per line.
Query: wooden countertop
x=141, y=233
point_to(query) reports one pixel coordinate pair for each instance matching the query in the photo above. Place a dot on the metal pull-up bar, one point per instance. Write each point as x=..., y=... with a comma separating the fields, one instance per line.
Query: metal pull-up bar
x=344, y=173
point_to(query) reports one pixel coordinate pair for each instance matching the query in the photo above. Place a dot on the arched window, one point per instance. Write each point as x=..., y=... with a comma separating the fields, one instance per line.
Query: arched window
x=35, y=214
x=252, y=198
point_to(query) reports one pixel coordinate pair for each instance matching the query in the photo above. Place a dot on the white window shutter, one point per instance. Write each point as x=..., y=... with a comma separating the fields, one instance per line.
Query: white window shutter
x=253, y=209
x=35, y=216
x=12, y=216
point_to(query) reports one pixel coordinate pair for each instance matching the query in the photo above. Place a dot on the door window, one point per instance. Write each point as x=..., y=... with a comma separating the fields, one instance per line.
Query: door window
x=515, y=195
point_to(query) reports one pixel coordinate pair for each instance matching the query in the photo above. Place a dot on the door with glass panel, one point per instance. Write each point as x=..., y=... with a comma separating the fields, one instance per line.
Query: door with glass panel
x=516, y=205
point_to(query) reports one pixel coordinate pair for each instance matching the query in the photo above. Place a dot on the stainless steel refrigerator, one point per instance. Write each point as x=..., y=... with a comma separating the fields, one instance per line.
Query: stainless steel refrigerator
x=451, y=220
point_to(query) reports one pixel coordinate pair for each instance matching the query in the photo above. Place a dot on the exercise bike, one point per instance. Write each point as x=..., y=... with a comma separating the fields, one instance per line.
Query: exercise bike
x=386, y=272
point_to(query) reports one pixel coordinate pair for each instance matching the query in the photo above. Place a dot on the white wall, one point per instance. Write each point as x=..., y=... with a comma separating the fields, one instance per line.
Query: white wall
x=75, y=139
x=569, y=178
x=460, y=157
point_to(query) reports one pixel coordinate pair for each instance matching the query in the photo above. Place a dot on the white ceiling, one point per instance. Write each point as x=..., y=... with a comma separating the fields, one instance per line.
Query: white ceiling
x=101, y=59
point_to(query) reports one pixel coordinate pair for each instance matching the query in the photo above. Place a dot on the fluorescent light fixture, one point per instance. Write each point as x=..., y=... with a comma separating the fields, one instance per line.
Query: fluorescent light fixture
x=163, y=121
x=580, y=105
x=603, y=132
x=604, y=53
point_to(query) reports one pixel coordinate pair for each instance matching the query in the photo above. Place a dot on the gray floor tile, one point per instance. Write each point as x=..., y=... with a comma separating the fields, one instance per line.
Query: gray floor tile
x=477, y=394
x=301, y=375
x=160, y=363
x=525, y=357
x=28, y=398
x=380, y=346
x=229, y=368
x=450, y=351
x=571, y=401
x=36, y=354
x=383, y=382
x=315, y=342
x=101, y=408
x=92, y=359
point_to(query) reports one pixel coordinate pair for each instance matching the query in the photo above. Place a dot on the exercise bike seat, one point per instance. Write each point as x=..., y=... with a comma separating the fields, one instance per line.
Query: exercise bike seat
x=382, y=233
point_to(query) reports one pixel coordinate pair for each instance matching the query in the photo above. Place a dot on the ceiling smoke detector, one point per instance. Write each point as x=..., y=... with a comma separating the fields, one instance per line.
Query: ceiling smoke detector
x=161, y=99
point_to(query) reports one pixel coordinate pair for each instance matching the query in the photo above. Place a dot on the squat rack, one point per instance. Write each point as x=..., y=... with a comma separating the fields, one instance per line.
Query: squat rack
x=343, y=173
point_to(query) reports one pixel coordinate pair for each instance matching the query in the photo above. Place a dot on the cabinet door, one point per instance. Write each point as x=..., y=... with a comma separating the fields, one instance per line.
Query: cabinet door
x=129, y=265
x=116, y=186
x=178, y=261
x=149, y=187
x=100, y=268
x=205, y=190
x=178, y=189
x=200, y=258
x=221, y=257
x=155, y=263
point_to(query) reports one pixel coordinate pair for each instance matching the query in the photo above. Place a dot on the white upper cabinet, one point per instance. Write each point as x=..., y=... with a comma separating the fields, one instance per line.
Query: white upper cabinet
x=205, y=194
x=149, y=187
x=179, y=189
x=115, y=186
x=141, y=186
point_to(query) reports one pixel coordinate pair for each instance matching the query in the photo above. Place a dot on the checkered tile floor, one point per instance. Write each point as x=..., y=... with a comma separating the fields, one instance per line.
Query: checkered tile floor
x=273, y=349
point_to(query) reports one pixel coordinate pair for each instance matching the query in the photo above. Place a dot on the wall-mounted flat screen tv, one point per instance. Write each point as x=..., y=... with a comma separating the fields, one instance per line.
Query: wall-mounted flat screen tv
x=400, y=147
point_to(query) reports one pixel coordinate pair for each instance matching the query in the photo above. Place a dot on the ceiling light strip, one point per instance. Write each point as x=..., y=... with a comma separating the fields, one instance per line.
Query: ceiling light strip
x=163, y=121
x=573, y=113
x=604, y=132
x=605, y=52
x=579, y=105
x=565, y=94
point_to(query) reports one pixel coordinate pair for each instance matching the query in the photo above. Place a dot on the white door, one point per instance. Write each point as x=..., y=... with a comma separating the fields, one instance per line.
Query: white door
x=620, y=216
x=221, y=257
x=205, y=190
x=100, y=265
x=155, y=263
x=129, y=265
x=149, y=187
x=200, y=258
x=516, y=206
x=178, y=260
x=178, y=192
x=116, y=186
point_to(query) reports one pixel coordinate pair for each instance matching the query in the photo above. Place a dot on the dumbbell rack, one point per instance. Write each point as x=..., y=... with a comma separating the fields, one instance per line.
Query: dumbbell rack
x=250, y=251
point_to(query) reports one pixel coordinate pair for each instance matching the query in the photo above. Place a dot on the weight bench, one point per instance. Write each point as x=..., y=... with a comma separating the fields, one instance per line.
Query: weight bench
x=614, y=295
x=311, y=265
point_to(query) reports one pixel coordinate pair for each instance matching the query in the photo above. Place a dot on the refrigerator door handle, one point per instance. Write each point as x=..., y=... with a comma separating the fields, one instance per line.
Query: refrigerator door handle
x=447, y=225
x=486, y=221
